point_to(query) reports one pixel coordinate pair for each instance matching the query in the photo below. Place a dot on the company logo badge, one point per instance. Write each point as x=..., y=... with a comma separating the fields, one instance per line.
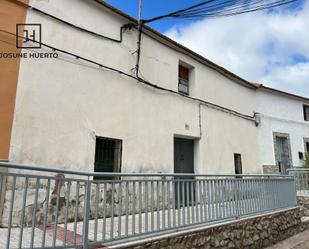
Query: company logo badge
x=29, y=34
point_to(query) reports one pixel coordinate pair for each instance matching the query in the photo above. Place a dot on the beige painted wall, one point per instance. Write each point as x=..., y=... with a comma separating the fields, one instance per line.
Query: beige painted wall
x=63, y=103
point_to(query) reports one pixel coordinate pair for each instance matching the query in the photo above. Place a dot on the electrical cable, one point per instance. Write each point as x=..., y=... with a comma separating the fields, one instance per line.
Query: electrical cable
x=238, y=7
x=230, y=13
x=139, y=38
x=128, y=26
x=122, y=28
x=219, y=8
x=206, y=103
x=210, y=9
x=215, y=8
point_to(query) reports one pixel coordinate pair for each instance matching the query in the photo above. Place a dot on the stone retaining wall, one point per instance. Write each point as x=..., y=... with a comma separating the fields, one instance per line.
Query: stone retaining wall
x=249, y=233
x=304, y=202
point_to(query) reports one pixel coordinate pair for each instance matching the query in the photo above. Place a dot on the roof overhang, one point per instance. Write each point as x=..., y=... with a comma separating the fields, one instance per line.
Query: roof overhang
x=282, y=93
x=182, y=49
x=178, y=47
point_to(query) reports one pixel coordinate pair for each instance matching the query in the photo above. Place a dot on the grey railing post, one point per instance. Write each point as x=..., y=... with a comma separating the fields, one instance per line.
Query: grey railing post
x=236, y=186
x=294, y=191
x=86, y=214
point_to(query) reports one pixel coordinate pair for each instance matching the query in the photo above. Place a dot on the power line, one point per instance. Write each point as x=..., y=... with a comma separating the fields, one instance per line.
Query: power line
x=219, y=8
x=210, y=9
x=122, y=28
x=129, y=26
x=147, y=83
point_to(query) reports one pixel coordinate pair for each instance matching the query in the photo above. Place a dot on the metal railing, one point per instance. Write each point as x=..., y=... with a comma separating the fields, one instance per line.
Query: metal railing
x=301, y=176
x=49, y=208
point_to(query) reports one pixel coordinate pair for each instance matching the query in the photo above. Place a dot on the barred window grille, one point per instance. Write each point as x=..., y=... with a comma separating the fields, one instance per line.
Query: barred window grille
x=183, y=80
x=108, y=155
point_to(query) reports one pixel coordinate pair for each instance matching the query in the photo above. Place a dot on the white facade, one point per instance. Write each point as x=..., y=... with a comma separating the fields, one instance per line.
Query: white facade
x=63, y=104
x=281, y=114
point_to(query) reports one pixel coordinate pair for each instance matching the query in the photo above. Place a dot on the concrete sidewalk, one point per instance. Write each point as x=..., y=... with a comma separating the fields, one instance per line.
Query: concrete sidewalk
x=298, y=241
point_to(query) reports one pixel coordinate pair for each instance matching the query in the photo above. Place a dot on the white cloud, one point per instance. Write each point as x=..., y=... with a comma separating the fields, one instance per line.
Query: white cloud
x=260, y=46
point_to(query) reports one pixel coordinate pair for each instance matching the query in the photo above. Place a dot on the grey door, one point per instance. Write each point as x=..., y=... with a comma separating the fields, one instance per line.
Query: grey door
x=282, y=153
x=184, y=163
x=183, y=155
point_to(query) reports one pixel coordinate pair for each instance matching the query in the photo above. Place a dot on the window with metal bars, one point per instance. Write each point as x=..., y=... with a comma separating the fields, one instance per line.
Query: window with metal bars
x=183, y=79
x=107, y=155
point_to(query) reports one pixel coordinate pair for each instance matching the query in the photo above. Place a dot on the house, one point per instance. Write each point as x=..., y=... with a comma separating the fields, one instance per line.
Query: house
x=283, y=133
x=77, y=103
x=74, y=96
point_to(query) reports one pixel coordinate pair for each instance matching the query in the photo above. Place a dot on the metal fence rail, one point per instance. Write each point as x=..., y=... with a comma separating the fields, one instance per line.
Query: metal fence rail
x=49, y=208
x=301, y=176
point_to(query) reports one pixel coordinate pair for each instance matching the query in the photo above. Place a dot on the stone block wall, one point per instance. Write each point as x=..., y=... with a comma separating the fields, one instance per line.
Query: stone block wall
x=249, y=233
x=303, y=201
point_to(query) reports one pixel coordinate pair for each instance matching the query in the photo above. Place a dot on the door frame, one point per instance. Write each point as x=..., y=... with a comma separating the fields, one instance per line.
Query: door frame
x=282, y=135
x=186, y=188
x=193, y=152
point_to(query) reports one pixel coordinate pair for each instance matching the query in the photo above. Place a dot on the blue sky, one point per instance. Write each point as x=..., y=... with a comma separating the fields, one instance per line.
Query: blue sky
x=269, y=47
x=153, y=8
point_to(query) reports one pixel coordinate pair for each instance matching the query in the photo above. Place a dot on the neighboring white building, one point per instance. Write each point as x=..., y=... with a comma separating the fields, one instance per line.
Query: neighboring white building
x=74, y=114
x=283, y=133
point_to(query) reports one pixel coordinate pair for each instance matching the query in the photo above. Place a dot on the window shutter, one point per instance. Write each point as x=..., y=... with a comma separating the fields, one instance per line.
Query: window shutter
x=183, y=73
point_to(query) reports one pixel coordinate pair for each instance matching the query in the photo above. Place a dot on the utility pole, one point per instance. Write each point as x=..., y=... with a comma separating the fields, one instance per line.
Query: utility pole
x=139, y=28
x=140, y=11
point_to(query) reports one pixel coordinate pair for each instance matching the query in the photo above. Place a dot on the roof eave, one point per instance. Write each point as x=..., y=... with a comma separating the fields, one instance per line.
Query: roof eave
x=279, y=92
x=169, y=42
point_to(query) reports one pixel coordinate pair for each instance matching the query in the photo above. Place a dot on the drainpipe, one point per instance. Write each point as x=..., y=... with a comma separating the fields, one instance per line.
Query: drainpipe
x=200, y=118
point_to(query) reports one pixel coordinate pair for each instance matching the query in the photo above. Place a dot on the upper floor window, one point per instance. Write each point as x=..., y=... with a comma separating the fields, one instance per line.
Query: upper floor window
x=306, y=112
x=183, y=79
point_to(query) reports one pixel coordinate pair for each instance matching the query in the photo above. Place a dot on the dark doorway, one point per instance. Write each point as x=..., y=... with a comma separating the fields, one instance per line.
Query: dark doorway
x=238, y=164
x=184, y=163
